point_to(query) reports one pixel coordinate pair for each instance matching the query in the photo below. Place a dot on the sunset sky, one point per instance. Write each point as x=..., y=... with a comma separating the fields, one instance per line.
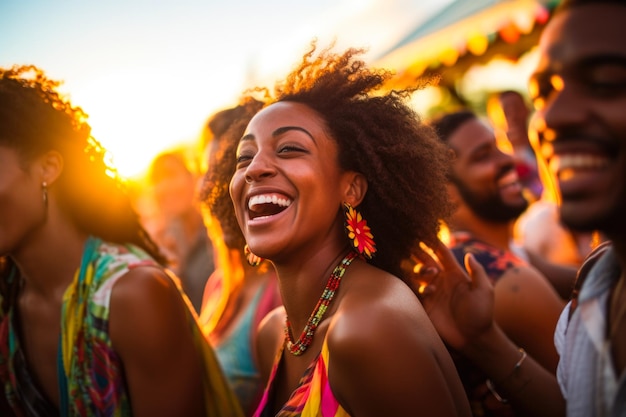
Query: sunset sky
x=150, y=72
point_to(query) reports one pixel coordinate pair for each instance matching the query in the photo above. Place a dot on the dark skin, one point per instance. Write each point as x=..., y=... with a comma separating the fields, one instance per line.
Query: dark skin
x=526, y=306
x=461, y=307
x=287, y=153
x=149, y=328
x=579, y=87
x=233, y=288
x=40, y=319
x=355, y=313
x=146, y=311
x=580, y=101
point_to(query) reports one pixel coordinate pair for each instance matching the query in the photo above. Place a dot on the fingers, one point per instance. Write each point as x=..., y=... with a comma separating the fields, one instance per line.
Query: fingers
x=438, y=266
x=420, y=277
x=425, y=279
x=424, y=257
x=449, y=262
x=425, y=290
x=476, y=271
x=447, y=259
x=423, y=270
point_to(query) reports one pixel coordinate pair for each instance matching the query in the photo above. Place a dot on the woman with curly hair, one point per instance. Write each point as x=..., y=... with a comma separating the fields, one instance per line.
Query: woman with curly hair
x=336, y=184
x=91, y=324
x=242, y=290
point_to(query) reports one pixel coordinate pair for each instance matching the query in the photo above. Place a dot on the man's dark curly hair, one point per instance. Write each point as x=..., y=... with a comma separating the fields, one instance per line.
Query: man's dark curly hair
x=226, y=128
x=447, y=123
x=36, y=118
x=380, y=136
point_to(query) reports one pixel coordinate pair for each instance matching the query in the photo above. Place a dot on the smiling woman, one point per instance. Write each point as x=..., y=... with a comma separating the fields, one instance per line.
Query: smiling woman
x=327, y=152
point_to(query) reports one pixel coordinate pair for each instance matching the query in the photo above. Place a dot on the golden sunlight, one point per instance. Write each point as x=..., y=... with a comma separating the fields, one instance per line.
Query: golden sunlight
x=136, y=115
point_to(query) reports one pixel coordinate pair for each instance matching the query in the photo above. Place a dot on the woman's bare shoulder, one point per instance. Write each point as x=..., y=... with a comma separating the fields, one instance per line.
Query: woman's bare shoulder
x=375, y=301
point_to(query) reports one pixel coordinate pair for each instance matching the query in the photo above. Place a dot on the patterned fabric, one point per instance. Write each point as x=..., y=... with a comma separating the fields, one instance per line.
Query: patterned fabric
x=90, y=372
x=586, y=372
x=312, y=398
x=496, y=262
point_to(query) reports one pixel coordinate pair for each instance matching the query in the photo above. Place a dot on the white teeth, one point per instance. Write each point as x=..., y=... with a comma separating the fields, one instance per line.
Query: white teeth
x=508, y=179
x=559, y=163
x=268, y=199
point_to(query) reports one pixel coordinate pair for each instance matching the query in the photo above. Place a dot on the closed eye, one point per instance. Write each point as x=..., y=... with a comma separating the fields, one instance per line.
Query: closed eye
x=287, y=149
x=243, y=159
x=482, y=153
x=605, y=75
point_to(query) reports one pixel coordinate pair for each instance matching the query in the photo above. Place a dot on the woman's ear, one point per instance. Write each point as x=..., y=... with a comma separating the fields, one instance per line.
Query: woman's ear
x=356, y=188
x=50, y=166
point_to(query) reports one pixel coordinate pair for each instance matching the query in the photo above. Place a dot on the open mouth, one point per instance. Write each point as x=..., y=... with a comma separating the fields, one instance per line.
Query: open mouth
x=509, y=179
x=265, y=205
x=567, y=165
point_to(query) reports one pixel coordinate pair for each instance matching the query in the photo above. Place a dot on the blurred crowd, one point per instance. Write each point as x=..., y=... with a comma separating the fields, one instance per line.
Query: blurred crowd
x=324, y=250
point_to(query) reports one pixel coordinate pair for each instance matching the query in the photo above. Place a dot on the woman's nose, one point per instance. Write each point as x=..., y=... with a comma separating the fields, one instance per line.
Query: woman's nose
x=261, y=167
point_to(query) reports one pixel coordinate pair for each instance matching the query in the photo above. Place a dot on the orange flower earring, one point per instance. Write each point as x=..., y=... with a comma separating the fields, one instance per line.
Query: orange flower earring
x=252, y=259
x=359, y=233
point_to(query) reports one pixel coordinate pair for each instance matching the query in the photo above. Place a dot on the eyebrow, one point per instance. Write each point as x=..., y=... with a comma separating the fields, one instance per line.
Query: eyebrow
x=585, y=63
x=285, y=129
x=603, y=59
x=483, y=147
x=281, y=131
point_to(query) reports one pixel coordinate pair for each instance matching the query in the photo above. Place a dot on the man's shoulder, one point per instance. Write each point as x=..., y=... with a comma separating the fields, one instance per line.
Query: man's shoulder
x=495, y=260
x=584, y=272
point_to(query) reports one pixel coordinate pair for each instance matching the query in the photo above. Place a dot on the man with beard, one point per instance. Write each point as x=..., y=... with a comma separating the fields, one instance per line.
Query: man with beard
x=579, y=93
x=487, y=196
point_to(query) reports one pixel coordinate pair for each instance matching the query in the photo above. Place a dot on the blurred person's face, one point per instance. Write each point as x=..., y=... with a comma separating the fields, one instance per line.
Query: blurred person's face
x=515, y=111
x=174, y=188
x=22, y=209
x=484, y=176
x=579, y=91
x=288, y=187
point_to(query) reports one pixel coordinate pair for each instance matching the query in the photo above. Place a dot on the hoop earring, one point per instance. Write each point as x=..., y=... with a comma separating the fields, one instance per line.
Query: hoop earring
x=252, y=259
x=44, y=186
x=359, y=232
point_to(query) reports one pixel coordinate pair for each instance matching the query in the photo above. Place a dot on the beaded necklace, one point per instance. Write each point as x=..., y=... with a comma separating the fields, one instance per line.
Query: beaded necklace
x=297, y=348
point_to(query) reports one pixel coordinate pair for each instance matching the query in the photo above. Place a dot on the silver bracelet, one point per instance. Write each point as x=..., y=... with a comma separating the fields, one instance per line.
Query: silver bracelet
x=489, y=383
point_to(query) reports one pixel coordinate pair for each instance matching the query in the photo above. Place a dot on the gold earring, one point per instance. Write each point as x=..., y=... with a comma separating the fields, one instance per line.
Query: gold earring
x=44, y=186
x=252, y=259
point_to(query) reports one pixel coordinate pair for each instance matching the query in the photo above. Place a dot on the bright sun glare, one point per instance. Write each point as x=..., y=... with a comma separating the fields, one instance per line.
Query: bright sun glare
x=135, y=116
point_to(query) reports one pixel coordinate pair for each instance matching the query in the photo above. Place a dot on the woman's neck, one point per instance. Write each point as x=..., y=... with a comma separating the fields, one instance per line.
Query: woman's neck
x=302, y=284
x=47, y=263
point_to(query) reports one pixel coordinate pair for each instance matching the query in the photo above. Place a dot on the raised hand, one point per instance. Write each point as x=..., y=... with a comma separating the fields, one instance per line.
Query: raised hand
x=459, y=305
